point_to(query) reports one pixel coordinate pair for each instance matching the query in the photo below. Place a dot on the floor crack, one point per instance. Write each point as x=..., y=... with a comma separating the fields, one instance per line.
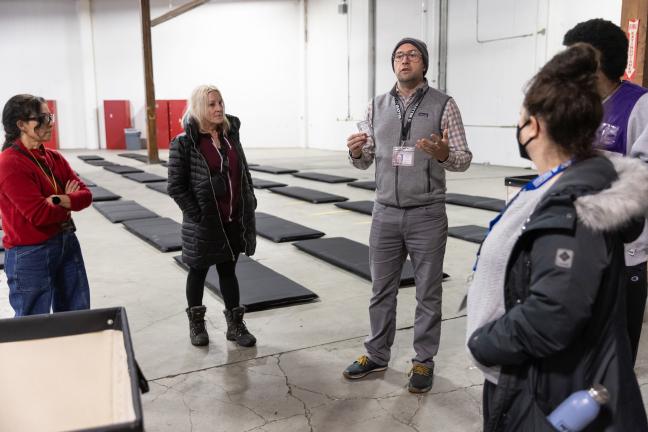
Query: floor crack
x=184, y=401
x=307, y=412
x=397, y=419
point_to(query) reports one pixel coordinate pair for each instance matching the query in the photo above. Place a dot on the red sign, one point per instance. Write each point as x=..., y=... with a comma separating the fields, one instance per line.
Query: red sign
x=633, y=40
x=53, y=142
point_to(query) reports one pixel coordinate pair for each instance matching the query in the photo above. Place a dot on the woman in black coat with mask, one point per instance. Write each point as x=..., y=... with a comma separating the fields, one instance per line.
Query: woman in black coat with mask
x=546, y=308
x=210, y=181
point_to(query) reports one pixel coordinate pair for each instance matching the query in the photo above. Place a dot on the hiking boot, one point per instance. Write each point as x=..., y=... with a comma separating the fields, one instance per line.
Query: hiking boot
x=421, y=378
x=362, y=367
x=236, y=329
x=197, y=330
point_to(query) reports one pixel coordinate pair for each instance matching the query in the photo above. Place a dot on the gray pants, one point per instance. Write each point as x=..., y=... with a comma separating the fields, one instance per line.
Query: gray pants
x=422, y=233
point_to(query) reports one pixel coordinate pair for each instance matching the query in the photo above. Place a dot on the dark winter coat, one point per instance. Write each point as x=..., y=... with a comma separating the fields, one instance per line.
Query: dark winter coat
x=204, y=241
x=564, y=328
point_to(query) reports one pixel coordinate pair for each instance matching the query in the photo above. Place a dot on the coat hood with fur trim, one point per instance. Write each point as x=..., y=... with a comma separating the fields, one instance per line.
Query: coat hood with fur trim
x=606, y=193
x=622, y=203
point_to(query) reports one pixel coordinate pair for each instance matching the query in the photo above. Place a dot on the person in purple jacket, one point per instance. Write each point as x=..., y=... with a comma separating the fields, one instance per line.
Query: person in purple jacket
x=624, y=130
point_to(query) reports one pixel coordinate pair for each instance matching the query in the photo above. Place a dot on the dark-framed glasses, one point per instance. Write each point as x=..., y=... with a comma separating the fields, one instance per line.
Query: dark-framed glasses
x=44, y=119
x=412, y=56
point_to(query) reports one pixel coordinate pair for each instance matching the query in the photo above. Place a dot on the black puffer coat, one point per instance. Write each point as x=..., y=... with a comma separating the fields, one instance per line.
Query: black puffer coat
x=564, y=328
x=204, y=241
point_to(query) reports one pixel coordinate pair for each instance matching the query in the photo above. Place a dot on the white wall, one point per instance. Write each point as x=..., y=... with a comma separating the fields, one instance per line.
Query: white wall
x=487, y=76
x=249, y=49
x=289, y=90
x=334, y=108
x=119, y=68
x=40, y=46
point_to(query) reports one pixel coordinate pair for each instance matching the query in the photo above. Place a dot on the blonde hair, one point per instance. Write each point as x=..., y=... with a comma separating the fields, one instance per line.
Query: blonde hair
x=197, y=108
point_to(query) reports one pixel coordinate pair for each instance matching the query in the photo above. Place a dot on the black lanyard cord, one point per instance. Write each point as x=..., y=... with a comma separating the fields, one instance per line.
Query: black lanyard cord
x=406, y=124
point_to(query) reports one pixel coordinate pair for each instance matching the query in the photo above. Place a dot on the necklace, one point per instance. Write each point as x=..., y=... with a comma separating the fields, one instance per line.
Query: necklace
x=51, y=178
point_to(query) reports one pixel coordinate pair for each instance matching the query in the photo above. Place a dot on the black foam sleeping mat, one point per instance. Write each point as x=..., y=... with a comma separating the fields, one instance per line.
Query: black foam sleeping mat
x=272, y=169
x=364, y=207
x=120, y=211
x=260, y=287
x=136, y=156
x=265, y=184
x=368, y=185
x=474, y=201
x=471, y=233
x=100, y=163
x=281, y=230
x=161, y=233
x=122, y=169
x=321, y=177
x=159, y=187
x=90, y=157
x=87, y=182
x=349, y=255
x=310, y=195
x=100, y=194
x=145, y=177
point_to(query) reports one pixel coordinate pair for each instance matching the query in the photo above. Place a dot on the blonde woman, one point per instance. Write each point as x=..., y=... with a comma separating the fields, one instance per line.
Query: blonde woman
x=210, y=181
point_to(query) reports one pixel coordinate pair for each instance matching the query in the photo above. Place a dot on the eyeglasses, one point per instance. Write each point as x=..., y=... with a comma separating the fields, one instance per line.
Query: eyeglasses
x=412, y=56
x=46, y=118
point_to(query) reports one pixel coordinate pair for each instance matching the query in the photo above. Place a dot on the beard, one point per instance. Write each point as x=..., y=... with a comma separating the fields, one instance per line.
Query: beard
x=409, y=80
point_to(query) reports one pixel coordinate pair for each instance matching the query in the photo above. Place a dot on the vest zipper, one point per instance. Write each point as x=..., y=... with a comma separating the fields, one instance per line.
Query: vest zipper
x=400, y=134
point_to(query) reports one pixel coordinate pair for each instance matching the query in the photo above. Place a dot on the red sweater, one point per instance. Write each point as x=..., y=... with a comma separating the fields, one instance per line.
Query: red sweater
x=27, y=218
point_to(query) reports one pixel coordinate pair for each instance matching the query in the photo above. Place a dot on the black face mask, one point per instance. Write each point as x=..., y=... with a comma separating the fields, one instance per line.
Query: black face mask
x=522, y=147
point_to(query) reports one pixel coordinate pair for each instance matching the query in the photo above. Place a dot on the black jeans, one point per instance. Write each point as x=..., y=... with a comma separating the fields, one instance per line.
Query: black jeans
x=636, y=292
x=228, y=282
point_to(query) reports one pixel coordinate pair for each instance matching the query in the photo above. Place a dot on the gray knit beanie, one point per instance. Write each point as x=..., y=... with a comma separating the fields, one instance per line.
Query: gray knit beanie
x=420, y=45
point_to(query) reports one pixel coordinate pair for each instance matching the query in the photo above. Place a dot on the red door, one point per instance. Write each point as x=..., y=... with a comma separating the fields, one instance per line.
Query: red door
x=53, y=142
x=176, y=111
x=162, y=123
x=117, y=118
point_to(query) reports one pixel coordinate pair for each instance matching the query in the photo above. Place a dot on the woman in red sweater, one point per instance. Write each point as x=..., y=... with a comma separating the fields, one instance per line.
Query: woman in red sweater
x=38, y=192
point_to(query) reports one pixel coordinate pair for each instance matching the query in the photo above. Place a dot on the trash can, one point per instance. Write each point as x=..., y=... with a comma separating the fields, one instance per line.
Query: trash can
x=133, y=141
x=69, y=371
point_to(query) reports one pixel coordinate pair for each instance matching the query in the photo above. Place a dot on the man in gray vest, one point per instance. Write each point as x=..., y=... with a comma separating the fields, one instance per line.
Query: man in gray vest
x=417, y=135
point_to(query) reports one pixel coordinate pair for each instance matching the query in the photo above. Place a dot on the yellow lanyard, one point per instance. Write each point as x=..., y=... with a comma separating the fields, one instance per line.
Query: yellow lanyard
x=51, y=178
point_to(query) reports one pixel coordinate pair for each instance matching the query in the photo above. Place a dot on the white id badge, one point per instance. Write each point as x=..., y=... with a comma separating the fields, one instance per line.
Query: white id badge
x=365, y=127
x=403, y=156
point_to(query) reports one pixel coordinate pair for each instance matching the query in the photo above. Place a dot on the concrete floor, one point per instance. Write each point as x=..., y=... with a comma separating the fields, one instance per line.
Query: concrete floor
x=292, y=380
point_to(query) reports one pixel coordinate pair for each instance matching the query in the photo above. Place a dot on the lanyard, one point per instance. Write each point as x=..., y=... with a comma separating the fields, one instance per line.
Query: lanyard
x=534, y=184
x=407, y=124
x=48, y=172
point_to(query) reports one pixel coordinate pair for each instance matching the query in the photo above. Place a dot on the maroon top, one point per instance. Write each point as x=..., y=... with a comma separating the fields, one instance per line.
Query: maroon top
x=230, y=169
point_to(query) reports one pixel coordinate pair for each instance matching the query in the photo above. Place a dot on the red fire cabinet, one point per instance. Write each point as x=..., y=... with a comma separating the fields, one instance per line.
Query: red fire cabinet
x=53, y=143
x=176, y=111
x=162, y=123
x=117, y=118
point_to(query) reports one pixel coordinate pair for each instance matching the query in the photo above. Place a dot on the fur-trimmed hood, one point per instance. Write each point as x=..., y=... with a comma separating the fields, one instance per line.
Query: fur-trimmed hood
x=622, y=203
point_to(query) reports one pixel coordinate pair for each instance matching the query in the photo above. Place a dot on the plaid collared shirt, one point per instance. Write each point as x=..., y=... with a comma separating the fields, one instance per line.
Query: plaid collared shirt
x=460, y=155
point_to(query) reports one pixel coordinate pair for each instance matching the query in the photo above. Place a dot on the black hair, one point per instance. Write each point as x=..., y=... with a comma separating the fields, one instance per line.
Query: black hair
x=608, y=38
x=20, y=107
x=563, y=93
